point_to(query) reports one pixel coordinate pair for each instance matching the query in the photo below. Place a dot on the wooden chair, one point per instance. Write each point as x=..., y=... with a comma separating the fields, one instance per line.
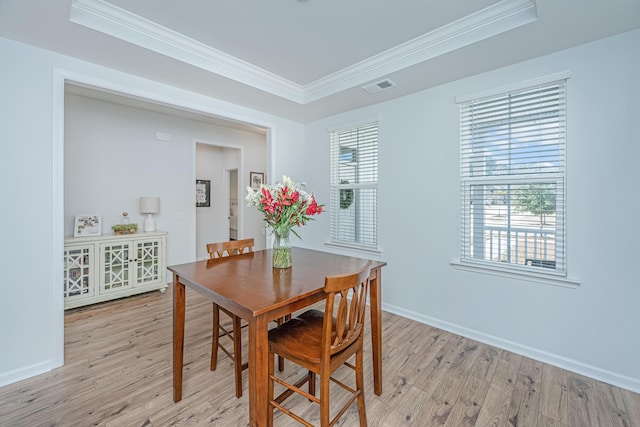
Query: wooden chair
x=219, y=250
x=322, y=343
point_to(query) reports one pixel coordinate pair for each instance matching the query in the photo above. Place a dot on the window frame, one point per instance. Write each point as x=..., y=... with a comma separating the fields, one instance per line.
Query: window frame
x=336, y=187
x=555, y=276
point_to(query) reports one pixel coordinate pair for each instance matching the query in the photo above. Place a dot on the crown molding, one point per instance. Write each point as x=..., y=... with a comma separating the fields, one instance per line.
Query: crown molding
x=104, y=17
x=493, y=20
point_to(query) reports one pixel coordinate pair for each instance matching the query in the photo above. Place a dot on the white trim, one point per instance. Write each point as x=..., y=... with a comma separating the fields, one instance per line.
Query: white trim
x=513, y=87
x=56, y=322
x=546, y=279
x=572, y=365
x=156, y=96
x=124, y=25
x=501, y=17
x=27, y=371
x=491, y=21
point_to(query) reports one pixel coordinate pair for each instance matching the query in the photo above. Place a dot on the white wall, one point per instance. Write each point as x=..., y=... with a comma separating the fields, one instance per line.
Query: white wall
x=112, y=158
x=591, y=329
x=32, y=190
x=27, y=252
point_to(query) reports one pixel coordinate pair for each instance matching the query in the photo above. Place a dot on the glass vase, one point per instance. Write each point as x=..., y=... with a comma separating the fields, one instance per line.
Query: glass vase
x=281, y=250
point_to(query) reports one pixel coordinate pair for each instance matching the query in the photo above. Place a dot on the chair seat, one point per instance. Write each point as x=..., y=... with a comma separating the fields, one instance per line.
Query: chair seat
x=299, y=337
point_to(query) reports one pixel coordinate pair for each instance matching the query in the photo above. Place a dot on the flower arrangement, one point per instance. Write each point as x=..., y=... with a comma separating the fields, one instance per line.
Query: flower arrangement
x=284, y=205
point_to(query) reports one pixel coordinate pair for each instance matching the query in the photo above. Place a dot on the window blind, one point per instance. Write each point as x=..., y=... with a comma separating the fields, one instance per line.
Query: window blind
x=354, y=184
x=512, y=170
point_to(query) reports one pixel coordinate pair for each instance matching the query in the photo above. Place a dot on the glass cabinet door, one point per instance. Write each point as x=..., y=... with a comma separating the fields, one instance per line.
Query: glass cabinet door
x=78, y=272
x=148, y=261
x=116, y=266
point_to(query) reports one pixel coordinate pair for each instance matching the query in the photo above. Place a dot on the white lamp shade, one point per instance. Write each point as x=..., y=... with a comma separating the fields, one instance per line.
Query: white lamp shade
x=149, y=205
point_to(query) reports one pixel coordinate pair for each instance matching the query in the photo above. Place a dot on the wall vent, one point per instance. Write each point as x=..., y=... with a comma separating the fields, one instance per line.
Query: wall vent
x=379, y=86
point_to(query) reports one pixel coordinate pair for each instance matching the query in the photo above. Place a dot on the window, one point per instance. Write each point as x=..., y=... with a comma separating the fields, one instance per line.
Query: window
x=354, y=186
x=512, y=172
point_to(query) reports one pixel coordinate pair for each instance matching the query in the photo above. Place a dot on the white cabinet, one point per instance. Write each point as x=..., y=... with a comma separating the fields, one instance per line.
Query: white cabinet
x=101, y=268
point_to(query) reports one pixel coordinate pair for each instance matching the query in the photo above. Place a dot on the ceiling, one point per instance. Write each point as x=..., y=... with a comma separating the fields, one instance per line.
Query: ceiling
x=305, y=60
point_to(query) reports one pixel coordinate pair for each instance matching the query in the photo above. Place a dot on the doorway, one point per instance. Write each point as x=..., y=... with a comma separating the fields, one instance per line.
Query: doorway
x=218, y=166
x=178, y=221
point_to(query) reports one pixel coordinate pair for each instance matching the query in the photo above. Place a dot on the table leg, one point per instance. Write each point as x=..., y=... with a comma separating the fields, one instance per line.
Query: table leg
x=375, y=301
x=178, y=336
x=258, y=371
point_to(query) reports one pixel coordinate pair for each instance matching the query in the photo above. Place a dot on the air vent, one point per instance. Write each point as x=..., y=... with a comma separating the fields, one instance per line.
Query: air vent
x=379, y=86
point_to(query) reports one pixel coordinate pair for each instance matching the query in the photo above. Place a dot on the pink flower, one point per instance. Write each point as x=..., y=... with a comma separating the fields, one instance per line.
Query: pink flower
x=314, y=208
x=285, y=205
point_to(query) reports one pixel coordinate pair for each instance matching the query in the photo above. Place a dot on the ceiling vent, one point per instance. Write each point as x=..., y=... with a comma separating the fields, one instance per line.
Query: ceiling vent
x=379, y=86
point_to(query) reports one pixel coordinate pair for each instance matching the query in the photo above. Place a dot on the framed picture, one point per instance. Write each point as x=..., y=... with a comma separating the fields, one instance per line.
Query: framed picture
x=256, y=179
x=203, y=193
x=87, y=225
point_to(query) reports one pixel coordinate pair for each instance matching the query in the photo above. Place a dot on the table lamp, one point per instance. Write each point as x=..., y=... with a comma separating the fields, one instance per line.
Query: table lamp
x=149, y=205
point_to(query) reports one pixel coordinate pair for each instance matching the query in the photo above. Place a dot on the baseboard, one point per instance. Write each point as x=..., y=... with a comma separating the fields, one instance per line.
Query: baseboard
x=24, y=373
x=628, y=383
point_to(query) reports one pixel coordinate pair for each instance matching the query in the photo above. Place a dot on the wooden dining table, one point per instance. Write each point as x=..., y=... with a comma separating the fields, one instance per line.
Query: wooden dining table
x=248, y=286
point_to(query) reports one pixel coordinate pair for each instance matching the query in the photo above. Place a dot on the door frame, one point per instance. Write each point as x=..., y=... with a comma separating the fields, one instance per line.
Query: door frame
x=140, y=89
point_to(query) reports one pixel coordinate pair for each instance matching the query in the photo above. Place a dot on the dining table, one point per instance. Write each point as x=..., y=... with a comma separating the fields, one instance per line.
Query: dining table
x=248, y=286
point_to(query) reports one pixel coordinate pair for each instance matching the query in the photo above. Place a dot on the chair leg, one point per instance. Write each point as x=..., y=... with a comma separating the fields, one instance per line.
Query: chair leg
x=237, y=354
x=270, y=407
x=279, y=322
x=324, y=398
x=312, y=384
x=214, y=340
x=362, y=411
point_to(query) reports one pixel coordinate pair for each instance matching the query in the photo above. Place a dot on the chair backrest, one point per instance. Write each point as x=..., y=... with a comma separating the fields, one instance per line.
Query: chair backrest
x=233, y=247
x=347, y=301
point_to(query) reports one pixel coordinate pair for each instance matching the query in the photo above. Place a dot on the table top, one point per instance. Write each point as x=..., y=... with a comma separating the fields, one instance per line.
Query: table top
x=250, y=284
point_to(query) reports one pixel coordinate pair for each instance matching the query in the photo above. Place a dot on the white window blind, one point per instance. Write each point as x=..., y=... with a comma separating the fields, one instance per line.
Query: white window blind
x=512, y=169
x=354, y=186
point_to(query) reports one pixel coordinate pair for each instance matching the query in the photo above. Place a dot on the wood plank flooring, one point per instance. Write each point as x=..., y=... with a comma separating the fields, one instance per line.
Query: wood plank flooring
x=118, y=372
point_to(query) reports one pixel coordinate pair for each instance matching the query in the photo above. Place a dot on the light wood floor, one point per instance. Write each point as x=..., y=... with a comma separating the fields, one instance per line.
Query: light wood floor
x=117, y=372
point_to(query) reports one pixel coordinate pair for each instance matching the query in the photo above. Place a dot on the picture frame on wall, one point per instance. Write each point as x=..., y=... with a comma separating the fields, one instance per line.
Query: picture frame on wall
x=203, y=193
x=256, y=179
x=87, y=225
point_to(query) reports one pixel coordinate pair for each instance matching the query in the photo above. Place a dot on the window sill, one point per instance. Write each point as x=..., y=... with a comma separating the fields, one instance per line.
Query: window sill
x=545, y=279
x=362, y=249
